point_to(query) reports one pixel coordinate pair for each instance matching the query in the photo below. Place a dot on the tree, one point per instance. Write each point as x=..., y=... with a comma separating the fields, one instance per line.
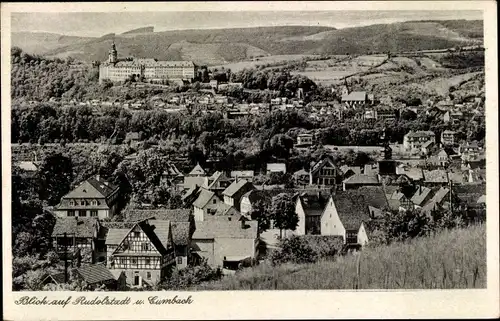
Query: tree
x=282, y=212
x=54, y=178
x=260, y=213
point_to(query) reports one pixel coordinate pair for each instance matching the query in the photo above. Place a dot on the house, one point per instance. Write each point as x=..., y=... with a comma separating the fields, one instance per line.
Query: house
x=28, y=166
x=421, y=196
x=371, y=169
x=448, y=138
x=398, y=201
x=452, y=116
x=225, y=241
x=197, y=176
x=476, y=175
x=309, y=210
x=190, y=196
x=145, y=253
x=442, y=158
x=346, y=215
x=355, y=99
x=97, y=276
x=276, y=168
x=438, y=177
x=470, y=194
x=375, y=198
x=427, y=147
x=414, y=173
x=348, y=171
x=358, y=180
x=197, y=171
x=218, y=182
x=133, y=138
x=325, y=173
x=304, y=140
x=94, y=197
x=469, y=152
x=72, y=235
x=386, y=113
x=413, y=141
x=301, y=177
x=246, y=175
x=182, y=225
x=439, y=200
x=207, y=203
x=171, y=176
x=233, y=193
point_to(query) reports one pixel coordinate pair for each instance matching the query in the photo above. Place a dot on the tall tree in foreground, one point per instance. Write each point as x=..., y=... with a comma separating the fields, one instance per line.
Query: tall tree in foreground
x=282, y=212
x=54, y=178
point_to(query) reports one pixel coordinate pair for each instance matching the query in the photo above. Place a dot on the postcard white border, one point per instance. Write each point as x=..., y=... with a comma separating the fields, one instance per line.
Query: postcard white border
x=271, y=304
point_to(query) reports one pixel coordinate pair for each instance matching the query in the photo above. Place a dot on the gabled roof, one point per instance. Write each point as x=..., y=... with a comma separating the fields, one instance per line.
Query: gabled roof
x=92, y=188
x=427, y=144
x=116, y=235
x=352, y=209
x=355, y=96
x=370, y=170
x=224, y=209
x=180, y=232
x=225, y=229
x=235, y=187
x=172, y=170
x=469, y=193
x=414, y=173
x=191, y=192
x=421, y=195
x=361, y=179
x=420, y=133
x=354, y=169
x=440, y=195
x=301, y=172
x=204, y=197
x=322, y=163
x=218, y=177
x=374, y=196
x=436, y=176
x=158, y=229
x=313, y=206
x=79, y=226
x=173, y=215
x=197, y=171
x=191, y=181
x=95, y=273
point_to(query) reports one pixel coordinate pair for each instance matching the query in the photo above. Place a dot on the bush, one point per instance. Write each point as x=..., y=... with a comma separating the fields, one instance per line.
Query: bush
x=189, y=276
x=325, y=245
x=294, y=250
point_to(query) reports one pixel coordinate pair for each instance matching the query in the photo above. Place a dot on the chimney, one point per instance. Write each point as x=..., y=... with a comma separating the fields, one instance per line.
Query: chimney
x=242, y=220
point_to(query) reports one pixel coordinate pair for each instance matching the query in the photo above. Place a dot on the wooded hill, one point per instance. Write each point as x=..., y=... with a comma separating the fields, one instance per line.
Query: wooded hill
x=215, y=46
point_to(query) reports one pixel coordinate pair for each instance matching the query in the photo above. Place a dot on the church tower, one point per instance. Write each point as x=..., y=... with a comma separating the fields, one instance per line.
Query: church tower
x=113, y=54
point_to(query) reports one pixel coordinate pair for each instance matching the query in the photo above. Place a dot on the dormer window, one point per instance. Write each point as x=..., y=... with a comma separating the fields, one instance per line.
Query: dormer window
x=71, y=203
x=82, y=202
x=94, y=202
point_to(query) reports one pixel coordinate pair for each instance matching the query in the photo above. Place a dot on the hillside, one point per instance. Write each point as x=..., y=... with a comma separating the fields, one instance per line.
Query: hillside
x=139, y=30
x=450, y=260
x=218, y=46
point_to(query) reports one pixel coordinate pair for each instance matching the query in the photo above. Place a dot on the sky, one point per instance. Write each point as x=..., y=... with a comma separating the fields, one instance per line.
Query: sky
x=92, y=24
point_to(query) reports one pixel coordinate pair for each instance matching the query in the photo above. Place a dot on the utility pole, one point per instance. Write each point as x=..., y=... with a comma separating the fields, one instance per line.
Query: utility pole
x=65, y=258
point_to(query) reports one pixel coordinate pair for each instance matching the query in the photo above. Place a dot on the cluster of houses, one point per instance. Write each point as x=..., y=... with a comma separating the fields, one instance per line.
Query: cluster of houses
x=215, y=222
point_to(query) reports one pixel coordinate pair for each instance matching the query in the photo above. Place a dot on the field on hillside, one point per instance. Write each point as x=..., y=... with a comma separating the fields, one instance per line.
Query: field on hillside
x=261, y=60
x=449, y=260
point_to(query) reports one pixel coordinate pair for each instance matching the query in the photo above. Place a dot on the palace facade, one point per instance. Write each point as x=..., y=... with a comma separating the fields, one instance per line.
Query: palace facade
x=151, y=69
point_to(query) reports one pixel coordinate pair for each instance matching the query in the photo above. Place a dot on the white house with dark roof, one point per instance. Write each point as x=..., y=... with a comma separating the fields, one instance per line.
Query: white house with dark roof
x=276, y=168
x=325, y=173
x=346, y=215
x=413, y=141
x=94, y=197
x=309, y=210
x=355, y=99
x=233, y=193
x=247, y=175
x=218, y=182
x=205, y=205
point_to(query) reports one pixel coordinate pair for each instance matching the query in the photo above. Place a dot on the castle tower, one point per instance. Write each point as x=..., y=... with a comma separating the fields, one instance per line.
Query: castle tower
x=113, y=54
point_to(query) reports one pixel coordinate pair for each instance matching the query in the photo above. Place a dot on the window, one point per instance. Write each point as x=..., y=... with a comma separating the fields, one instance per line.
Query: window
x=82, y=213
x=72, y=203
x=214, y=201
x=179, y=260
x=71, y=213
x=145, y=246
x=93, y=213
x=133, y=260
x=94, y=203
x=137, y=234
x=82, y=202
x=148, y=275
x=147, y=261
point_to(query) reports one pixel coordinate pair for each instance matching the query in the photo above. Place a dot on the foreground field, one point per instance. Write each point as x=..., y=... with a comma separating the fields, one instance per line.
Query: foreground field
x=449, y=260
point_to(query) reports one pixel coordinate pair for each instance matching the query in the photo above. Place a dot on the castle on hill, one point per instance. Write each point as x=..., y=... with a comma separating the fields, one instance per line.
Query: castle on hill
x=116, y=69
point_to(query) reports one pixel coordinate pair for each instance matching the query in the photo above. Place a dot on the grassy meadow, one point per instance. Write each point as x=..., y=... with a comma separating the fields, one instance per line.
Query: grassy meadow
x=454, y=259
